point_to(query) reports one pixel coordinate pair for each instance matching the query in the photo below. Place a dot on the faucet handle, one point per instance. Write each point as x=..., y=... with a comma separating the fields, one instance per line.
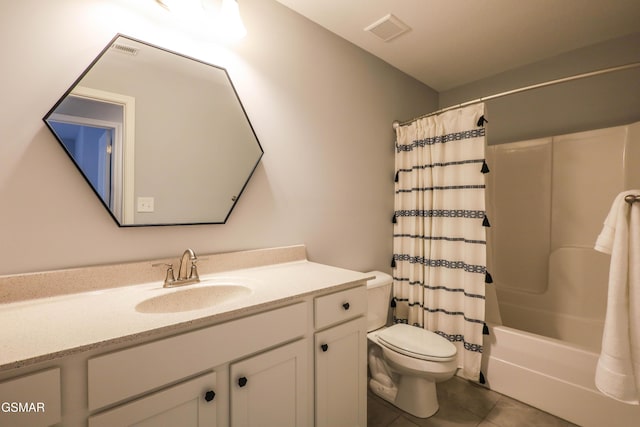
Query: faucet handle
x=170, y=278
x=193, y=274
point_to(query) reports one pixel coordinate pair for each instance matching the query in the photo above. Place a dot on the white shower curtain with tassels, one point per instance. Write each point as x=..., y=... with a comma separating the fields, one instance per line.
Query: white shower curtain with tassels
x=440, y=229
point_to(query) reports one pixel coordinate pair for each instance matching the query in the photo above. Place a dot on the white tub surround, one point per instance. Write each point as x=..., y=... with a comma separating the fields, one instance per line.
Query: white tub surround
x=97, y=357
x=547, y=199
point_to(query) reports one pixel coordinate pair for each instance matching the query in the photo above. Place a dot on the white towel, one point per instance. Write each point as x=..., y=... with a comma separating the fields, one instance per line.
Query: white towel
x=618, y=370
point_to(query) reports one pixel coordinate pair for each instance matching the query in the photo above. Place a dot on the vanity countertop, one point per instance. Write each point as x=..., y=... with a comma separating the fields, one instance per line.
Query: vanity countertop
x=42, y=329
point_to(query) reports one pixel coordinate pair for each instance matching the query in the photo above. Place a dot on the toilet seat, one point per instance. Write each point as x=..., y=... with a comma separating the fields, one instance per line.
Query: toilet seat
x=417, y=343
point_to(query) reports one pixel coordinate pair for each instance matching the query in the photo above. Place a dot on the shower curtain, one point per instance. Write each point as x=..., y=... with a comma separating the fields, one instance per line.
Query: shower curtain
x=439, y=245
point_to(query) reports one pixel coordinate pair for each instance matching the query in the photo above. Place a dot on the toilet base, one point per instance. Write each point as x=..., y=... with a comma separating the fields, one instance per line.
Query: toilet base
x=414, y=395
x=417, y=396
x=387, y=393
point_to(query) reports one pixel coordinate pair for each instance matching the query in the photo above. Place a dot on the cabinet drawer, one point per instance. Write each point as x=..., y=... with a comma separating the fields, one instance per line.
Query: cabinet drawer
x=341, y=306
x=32, y=400
x=133, y=371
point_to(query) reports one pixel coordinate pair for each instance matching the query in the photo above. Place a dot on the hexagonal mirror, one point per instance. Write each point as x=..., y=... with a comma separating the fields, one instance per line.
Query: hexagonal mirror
x=161, y=138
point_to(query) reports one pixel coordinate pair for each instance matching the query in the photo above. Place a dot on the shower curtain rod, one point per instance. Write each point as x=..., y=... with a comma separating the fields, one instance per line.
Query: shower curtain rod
x=397, y=123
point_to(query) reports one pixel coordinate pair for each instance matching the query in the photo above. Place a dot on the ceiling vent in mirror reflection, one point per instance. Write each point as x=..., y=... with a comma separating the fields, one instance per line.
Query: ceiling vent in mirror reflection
x=123, y=48
x=161, y=126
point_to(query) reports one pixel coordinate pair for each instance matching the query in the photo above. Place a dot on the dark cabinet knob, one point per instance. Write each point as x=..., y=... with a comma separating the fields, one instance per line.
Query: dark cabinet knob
x=242, y=381
x=324, y=347
x=209, y=395
x=345, y=306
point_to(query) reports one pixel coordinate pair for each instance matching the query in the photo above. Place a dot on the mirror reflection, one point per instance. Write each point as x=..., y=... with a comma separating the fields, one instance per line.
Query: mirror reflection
x=161, y=138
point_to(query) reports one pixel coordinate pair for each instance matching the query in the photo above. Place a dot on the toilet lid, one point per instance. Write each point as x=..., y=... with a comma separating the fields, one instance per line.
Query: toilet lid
x=417, y=342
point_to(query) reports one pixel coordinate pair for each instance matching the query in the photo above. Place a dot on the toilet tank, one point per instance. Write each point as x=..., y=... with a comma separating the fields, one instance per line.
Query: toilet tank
x=378, y=299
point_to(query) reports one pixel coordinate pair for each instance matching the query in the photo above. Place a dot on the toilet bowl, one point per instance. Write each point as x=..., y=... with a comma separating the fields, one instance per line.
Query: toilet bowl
x=405, y=361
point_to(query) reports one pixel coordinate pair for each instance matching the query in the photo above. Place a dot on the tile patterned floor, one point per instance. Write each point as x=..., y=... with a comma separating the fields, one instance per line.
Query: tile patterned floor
x=464, y=404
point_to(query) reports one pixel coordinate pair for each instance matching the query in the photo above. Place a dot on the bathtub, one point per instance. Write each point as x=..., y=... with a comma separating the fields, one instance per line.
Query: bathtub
x=553, y=376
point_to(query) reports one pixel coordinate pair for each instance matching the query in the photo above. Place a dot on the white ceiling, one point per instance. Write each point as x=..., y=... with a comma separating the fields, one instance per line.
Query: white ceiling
x=453, y=42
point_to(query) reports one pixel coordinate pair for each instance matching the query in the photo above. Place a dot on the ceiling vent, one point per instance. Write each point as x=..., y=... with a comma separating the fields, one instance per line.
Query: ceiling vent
x=388, y=28
x=123, y=48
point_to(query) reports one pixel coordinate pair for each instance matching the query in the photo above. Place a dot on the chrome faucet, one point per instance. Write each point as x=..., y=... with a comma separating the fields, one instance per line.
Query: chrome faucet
x=186, y=275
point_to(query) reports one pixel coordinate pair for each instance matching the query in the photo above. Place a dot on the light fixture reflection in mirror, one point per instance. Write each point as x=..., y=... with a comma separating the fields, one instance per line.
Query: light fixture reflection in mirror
x=230, y=21
x=224, y=17
x=162, y=138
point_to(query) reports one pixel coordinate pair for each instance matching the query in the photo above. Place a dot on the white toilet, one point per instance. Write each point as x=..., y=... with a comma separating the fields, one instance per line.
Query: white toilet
x=405, y=362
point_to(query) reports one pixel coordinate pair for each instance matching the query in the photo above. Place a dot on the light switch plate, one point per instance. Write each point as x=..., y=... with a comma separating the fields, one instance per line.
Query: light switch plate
x=145, y=204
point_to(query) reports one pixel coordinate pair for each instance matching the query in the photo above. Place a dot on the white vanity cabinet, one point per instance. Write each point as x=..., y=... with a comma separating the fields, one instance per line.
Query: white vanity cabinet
x=187, y=376
x=340, y=359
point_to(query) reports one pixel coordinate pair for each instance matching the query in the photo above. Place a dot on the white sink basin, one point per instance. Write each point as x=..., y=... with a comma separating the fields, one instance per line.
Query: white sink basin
x=193, y=298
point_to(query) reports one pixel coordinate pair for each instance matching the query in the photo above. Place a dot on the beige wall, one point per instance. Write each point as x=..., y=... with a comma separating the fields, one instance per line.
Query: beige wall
x=592, y=103
x=321, y=107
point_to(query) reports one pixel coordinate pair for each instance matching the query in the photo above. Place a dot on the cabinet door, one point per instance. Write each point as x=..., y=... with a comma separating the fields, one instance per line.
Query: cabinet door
x=341, y=375
x=270, y=389
x=191, y=403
